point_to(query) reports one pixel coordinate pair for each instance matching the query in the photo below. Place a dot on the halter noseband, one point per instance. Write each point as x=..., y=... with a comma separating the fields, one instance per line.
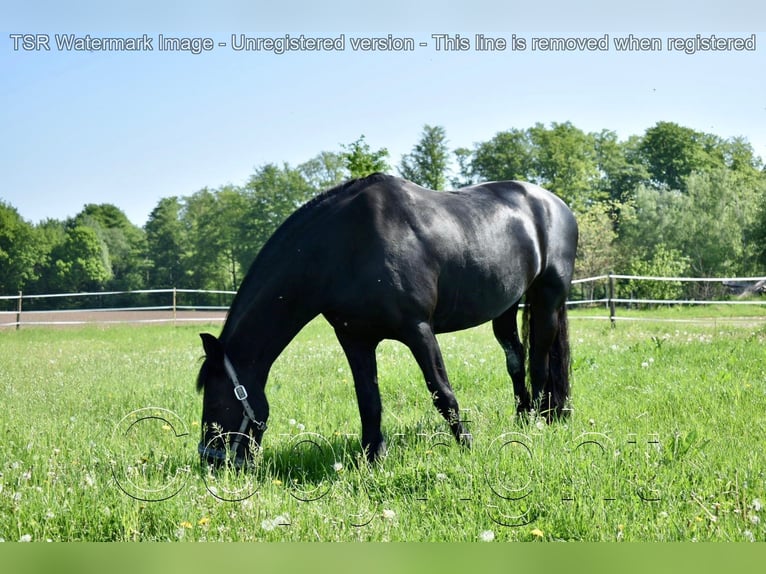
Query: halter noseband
x=240, y=392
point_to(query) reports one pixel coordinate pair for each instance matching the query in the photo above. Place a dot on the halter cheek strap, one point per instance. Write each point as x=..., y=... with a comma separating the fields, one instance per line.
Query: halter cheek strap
x=240, y=392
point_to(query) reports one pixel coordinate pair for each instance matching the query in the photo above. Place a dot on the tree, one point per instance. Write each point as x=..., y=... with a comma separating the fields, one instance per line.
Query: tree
x=125, y=242
x=620, y=166
x=166, y=242
x=714, y=231
x=361, y=161
x=565, y=163
x=508, y=155
x=663, y=262
x=465, y=172
x=273, y=194
x=596, y=249
x=19, y=251
x=324, y=171
x=673, y=152
x=427, y=164
x=81, y=263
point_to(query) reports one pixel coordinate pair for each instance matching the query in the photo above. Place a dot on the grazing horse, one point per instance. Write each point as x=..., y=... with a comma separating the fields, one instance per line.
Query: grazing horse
x=383, y=258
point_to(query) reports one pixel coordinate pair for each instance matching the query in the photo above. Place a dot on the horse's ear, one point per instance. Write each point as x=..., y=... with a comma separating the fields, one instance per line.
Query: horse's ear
x=212, y=346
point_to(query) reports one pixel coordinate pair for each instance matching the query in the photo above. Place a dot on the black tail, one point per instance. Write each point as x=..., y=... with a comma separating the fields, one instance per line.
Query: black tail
x=559, y=368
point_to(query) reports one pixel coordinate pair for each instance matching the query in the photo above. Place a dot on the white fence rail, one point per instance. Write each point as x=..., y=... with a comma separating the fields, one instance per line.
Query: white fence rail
x=171, y=312
x=17, y=310
x=611, y=301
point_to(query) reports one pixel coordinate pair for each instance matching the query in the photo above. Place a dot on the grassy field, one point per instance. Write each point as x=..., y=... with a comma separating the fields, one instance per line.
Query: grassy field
x=666, y=441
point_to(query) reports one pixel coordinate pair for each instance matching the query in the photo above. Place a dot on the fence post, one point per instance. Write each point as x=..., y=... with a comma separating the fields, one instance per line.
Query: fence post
x=174, y=306
x=612, y=310
x=18, y=312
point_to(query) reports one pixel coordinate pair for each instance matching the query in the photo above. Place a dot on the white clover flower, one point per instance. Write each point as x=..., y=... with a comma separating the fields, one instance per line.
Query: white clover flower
x=337, y=467
x=268, y=525
x=292, y=422
x=389, y=514
x=756, y=505
x=755, y=519
x=749, y=536
x=441, y=476
x=487, y=536
x=25, y=538
x=301, y=427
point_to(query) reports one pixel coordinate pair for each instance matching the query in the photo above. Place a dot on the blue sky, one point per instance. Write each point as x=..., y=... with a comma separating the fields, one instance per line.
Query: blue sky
x=129, y=128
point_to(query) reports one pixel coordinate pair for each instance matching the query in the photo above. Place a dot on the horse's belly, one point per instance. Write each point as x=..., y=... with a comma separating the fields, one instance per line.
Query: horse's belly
x=473, y=303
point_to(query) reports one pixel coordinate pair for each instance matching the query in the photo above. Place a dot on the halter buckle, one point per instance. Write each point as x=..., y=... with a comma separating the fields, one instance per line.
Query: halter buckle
x=240, y=392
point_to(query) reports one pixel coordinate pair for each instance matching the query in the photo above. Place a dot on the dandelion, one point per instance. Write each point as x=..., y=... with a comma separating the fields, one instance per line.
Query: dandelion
x=276, y=482
x=487, y=536
x=537, y=533
x=185, y=524
x=25, y=538
x=663, y=514
x=755, y=519
x=49, y=515
x=644, y=365
x=26, y=475
x=388, y=514
x=301, y=427
x=337, y=467
x=89, y=480
x=756, y=505
x=749, y=536
x=292, y=422
x=441, y=476
x=270, y=524
x=204, y=521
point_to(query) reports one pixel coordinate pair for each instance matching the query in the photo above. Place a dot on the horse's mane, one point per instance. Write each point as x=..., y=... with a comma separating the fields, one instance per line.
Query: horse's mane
x=347, y=186
x=329, y=196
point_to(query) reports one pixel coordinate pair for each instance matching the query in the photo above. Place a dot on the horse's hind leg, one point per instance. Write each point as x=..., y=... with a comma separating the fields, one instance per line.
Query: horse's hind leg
x=425, y=348
x=361, y=359
x=506, y=332
x=548, y=349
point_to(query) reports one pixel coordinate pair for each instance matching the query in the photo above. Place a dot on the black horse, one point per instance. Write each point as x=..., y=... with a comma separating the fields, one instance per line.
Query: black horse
x=383, y=258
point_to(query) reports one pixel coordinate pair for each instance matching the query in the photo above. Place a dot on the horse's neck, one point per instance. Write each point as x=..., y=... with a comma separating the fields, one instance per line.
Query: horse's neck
x=258, y=331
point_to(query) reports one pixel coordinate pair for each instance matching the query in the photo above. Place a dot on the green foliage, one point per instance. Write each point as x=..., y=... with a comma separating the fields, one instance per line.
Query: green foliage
x=166, y=241
x=125, y=242
x=427, y=164
x=19, y=251
x=697, y=195
x=596, y=247
x=324, y=171
x=663, y=262
x=361, y=161
x=508, y=155
x=673, y=152
x=565, y=163
x=81, y=263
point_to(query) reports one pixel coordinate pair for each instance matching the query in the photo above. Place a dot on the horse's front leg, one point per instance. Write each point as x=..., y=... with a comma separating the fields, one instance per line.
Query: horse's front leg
x=425, y=348
x=361, y=358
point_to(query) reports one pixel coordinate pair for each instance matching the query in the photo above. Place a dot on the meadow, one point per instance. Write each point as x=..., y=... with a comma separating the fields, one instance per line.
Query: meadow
x=665, y=442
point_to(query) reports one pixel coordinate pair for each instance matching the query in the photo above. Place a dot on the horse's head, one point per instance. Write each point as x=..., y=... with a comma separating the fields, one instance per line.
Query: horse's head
x=234, y=410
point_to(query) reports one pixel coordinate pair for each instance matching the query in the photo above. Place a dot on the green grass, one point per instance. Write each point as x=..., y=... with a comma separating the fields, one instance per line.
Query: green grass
x=665, y=442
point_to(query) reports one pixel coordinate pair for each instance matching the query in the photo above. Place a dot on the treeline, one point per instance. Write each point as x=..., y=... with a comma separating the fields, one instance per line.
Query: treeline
x=672, y=201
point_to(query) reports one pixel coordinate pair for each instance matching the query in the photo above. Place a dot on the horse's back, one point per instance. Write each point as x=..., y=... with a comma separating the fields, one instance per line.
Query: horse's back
x=460, y=257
